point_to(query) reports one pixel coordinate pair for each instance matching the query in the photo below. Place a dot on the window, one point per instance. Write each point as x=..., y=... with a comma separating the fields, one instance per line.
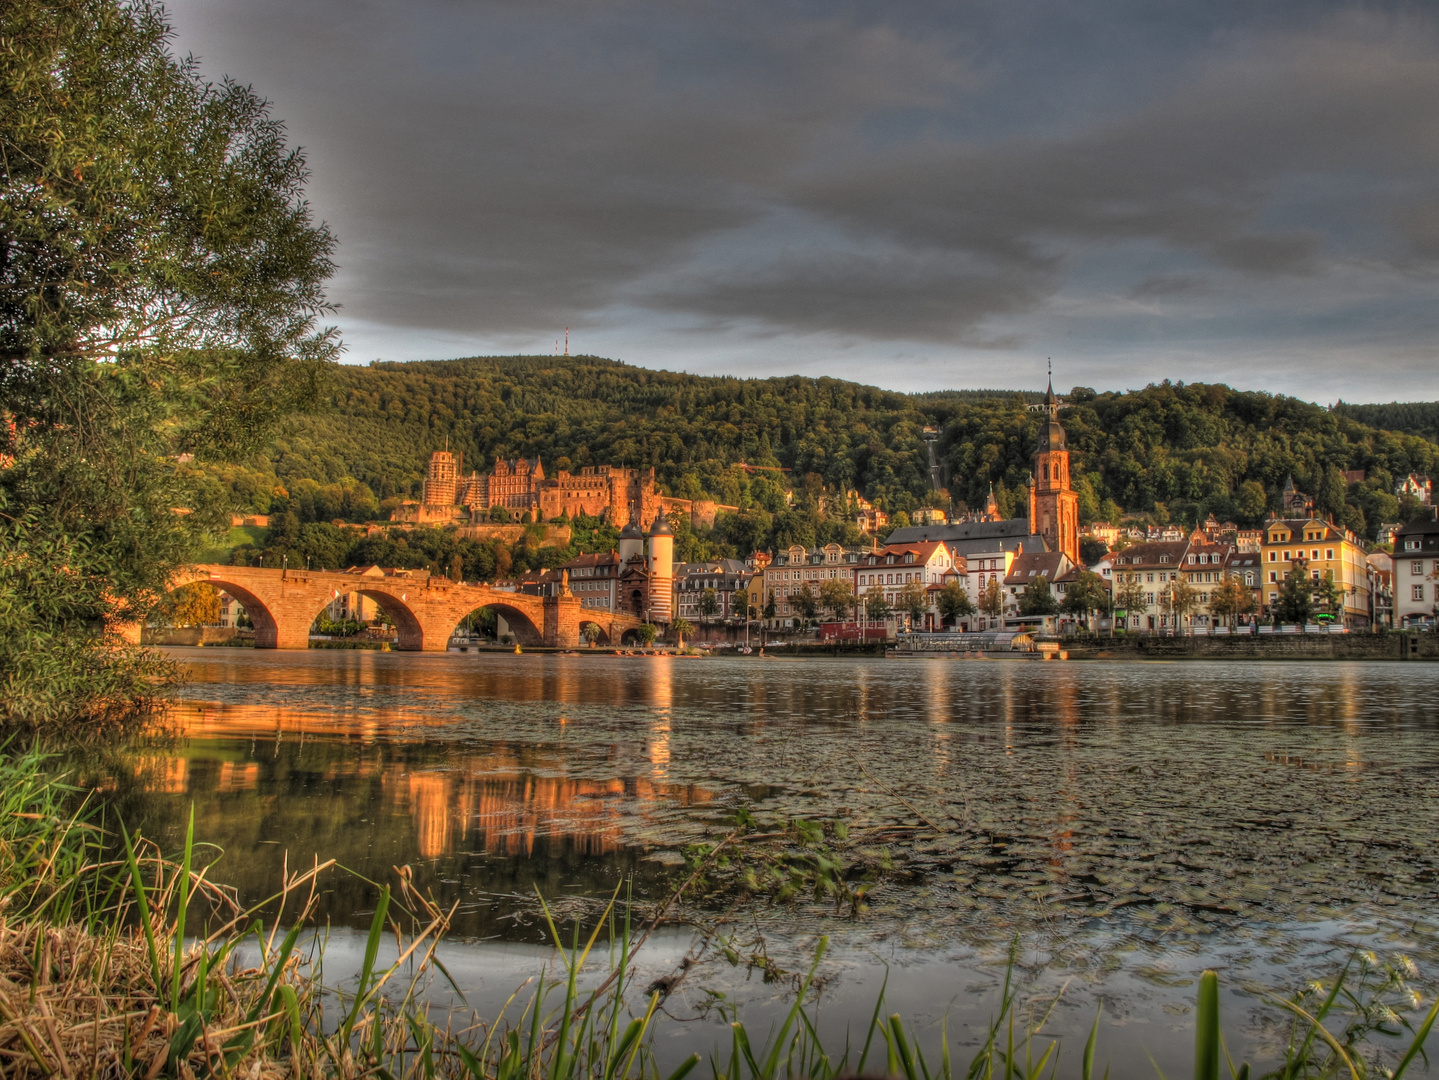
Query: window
x=1286, y=557
x=1416, y=567
x=1273, y=555
x=1329, y=553
x=1418, y=592
x=1411, y=545
x=1151, y=578
x=1315, y=555
x=1249, y=579
x=1273, y=577
x=1149, y=598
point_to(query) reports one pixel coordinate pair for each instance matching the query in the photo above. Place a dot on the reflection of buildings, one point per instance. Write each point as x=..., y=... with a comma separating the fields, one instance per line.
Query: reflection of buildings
x=505, y=802
x=494, y=803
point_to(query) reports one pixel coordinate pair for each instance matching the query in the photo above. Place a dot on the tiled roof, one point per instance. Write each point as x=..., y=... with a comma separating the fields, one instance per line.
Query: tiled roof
x=1009, y=528
x=1164, y=553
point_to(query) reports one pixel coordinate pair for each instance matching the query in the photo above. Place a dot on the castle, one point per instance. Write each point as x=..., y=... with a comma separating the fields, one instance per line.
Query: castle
x=521, y=487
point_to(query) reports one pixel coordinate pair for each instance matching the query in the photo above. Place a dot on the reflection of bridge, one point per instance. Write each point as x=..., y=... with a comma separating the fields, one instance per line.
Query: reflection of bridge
x=283, y=604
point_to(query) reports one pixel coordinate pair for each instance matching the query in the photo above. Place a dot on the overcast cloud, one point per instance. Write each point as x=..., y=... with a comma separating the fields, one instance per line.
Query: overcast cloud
x=919, y=196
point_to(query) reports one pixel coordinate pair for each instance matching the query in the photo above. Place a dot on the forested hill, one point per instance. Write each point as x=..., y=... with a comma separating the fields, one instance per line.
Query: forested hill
x=1411, y=417
x=1176, y=450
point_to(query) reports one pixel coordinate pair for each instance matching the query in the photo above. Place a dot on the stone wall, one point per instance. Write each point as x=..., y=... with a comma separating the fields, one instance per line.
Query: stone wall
x=187, y=635
x=1391, y=646
x=552, y=535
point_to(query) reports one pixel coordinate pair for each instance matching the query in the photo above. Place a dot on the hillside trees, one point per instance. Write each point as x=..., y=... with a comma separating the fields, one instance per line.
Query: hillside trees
x=1175, y=449
x=160, y=285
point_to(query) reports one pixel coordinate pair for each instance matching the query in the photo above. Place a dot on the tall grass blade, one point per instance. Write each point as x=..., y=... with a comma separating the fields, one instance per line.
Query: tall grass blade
x=1206, y=1029
x=138, y=886
x=1086, y=1062
x=1417, y=1046
x=873, y=1022
x=367, y=965
x=180, y=914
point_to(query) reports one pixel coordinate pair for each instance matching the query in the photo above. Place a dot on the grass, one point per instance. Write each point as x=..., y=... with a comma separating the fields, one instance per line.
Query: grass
x=238, y=534
x=104, y=974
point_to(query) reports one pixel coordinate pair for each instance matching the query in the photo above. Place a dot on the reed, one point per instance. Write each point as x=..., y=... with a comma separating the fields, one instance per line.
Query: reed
x=102, y=975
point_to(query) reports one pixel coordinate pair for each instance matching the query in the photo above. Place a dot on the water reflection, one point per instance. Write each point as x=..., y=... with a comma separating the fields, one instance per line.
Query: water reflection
x=1178, y=799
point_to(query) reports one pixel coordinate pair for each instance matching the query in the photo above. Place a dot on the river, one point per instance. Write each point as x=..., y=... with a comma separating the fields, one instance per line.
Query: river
x=1130, y=822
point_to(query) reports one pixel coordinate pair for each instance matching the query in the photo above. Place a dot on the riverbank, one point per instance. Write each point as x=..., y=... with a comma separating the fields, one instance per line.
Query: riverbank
x=1395, y=645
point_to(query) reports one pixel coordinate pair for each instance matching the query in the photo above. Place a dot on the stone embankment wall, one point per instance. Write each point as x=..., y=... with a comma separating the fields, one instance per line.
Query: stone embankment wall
x=1392, y=646
x=187, y=635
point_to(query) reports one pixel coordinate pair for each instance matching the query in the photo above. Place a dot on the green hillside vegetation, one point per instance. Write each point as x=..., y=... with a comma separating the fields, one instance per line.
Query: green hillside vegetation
x=1411, y=417
x=1169, y=452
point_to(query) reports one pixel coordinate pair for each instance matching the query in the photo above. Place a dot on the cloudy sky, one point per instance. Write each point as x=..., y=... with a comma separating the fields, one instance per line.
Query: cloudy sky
x=916, y=195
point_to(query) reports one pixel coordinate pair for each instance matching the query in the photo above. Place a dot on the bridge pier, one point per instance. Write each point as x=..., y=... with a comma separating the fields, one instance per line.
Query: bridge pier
x=562, y=622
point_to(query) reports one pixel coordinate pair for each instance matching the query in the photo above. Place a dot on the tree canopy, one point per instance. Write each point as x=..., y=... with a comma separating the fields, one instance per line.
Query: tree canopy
x=161, y=279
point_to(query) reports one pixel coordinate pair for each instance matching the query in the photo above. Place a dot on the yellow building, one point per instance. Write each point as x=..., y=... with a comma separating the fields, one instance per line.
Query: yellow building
x=1326, y=551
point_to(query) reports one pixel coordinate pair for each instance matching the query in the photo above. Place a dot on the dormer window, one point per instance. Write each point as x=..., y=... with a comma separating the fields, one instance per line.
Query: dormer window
x=909, y=558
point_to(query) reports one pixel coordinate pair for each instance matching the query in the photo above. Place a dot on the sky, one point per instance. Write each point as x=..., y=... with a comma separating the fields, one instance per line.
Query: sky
x=914, y=195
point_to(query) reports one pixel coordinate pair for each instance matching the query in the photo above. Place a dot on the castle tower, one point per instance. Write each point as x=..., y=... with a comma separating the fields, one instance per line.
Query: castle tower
x=632, y=542
x=1053, y=505
x=662, y=567
x=440, y=479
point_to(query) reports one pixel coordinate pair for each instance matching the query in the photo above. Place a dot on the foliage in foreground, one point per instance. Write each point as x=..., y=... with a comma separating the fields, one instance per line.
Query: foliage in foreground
x=102, y=973
x=160, y=282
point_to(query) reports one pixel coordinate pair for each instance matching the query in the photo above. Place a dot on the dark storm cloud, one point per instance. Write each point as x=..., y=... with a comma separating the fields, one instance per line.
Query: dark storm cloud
x=877, y=172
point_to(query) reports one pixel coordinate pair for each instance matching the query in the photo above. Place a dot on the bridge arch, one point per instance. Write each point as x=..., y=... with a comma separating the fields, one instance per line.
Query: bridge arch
x=409, y=634
x=603, y=627
x=267, y=627
x=520, y=623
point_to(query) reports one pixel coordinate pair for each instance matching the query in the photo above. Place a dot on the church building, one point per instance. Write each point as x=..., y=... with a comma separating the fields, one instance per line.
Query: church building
x=1053, y=504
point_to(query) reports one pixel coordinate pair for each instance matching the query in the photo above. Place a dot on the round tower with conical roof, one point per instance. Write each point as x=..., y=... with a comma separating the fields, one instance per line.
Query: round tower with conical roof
x=632, y=541
x=662, y=564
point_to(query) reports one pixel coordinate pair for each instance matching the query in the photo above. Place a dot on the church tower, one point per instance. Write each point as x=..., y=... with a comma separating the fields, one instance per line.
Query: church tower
x=1053, y=505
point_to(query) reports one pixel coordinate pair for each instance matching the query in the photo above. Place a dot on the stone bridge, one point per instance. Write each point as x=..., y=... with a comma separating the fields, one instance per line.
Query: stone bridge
x=283, y=604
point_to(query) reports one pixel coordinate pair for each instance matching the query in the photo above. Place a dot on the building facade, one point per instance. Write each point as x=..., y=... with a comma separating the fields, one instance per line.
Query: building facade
x=711, y=592
x=1416, y=572
x=796, y=569
x=1324, y=550
x=888, y=572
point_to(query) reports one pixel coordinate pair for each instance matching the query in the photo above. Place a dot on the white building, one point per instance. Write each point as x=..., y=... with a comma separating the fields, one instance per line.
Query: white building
x=1416, y=572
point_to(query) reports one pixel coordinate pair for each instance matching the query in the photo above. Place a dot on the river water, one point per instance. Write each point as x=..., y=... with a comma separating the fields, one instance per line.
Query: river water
x=1130, y=823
